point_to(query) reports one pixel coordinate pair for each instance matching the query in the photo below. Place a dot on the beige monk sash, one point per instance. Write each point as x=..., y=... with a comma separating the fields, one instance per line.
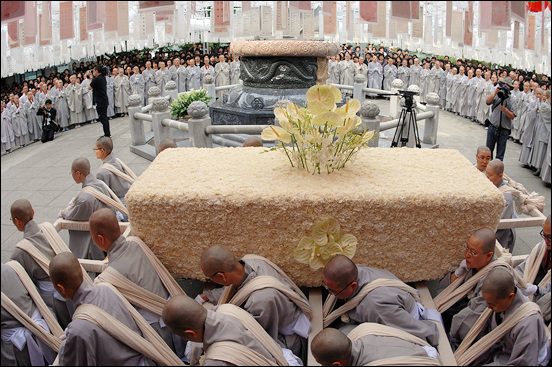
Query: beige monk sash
x=113, y=202
x=534, y=262
x=135, y=294
x=237, y=354
x=166, y=278
x=256, y=329
x=52, y=338
x=467, y=353
x=524, y=202
x=261, y=282
x=151, y=345
x=42, y=260
x=457, y=289
x=127, y=169
x=111, y=168
x=355, y=301
x=371, y=328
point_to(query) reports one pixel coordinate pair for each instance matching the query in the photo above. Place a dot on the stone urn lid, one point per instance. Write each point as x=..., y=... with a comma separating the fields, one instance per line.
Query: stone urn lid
x=300, y=48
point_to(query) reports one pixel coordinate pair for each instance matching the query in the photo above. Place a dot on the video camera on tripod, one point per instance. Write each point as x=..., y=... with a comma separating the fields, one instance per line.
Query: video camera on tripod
x=407, y=119
x=503, y=91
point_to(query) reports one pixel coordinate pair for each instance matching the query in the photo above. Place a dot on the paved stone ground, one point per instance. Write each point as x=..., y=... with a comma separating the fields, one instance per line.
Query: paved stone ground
x=41, y=172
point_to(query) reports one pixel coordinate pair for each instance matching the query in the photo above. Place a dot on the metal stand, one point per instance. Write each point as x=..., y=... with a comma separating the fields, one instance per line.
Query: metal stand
x=407, y=119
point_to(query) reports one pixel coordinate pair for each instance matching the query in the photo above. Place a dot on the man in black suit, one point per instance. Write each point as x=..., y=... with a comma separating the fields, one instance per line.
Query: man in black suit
x=98, y=85
x=49, y=125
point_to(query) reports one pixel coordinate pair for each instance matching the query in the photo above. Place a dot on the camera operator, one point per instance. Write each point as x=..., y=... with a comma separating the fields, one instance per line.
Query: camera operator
x=501, y=117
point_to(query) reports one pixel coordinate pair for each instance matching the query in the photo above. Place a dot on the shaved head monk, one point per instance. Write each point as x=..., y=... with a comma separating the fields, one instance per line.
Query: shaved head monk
x=87, y=344
x=495, y=174
x=331, y=347
x=22, y=214
x=387, y=305
x=277, y=313
x=128, y=259
x=189, y=320
x=81, y=208
x=526, y=341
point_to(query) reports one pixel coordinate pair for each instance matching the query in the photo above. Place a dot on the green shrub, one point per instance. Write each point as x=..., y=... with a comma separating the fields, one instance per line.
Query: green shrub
x=179, y=107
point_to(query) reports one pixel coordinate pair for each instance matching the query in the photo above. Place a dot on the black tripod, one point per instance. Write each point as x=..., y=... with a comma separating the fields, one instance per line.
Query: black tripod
x=407, y=119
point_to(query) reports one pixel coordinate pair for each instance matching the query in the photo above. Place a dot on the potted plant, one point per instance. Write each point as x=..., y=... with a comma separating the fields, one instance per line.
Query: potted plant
x=179, y=107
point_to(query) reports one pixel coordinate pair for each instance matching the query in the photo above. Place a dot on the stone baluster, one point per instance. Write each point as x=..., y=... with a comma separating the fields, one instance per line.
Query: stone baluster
x=432, y=124
x=394, y=108
x=153, y=93
x=170, y=90
x=199, y=112
x=137, y=134
x=359, y=84
x=369, y=112
x=209, y=85
x=159, y=113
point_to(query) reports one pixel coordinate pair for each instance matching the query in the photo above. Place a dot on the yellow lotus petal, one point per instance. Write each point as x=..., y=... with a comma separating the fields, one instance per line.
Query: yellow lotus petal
x=349, y=245
x=276, y=133
x=330, y=118
x=304, y=252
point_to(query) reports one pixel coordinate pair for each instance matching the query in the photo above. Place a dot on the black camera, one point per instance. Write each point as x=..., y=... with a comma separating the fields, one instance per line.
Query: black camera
x=408, y=97
x=503, y=91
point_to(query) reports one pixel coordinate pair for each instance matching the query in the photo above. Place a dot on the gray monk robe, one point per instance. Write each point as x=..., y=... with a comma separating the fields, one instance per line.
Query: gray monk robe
x=149, y=79
x=88, y=345
x=11, y=354
x=222, y=77
x=221, y=327
x=80, y=242
x=544, y=267
x=115, y=183
x=524, y=345
x=137, y=85
x=128, y=259
x=51, y=297
x=542, y=125
x=110, y=95
x=390, y=306
x=121, y=90
x=73, y=93
x=274, y=311
x=193, y=78
x=403, y=73
x=371, y=348
x=507, y=237
x=389, y=74
x=468, y=308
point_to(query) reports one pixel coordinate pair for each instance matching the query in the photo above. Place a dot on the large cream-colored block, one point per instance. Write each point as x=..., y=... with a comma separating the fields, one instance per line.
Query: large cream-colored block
x=412, y=210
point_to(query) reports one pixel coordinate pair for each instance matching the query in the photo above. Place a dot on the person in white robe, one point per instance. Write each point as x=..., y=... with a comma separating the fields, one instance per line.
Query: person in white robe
x=121, y=89
x=60, y=104
x=162, y=76
x=517, y=96
x=529, y=130
x=415, y=73
x=403, y=73
x=8, y=137
x=110, y=93
x=375, y=75
x=479, y=96
x=451, y=88
x=149, y=79
x=434, y=78
x=523, y=106
x=42, y=95
x=347, y=73
x=362, y=68
x=470, y=96
x=73, y=93
x=137, y=83
x=389, y=74
x=193, y=76
x=182, y=84
x=457, y=89
x=222, y=75
x=235, y=70
x=334, y=74
x=207, y=68
x=423, y=81
x=90, y=114
x=23, y=97
x=19, y=123
x=443, y=83
x=173, y=70
x=542, y=133
x=34, y=123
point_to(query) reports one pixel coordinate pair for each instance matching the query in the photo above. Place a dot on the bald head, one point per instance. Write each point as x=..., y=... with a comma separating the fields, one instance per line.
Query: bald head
x=331, y=345
x=105, y=143
x=483, y=148
x=104, y=222
x=499, y=282
x=218, y=258
x=487, y=238
x=341, y=270
x=253, y=141
x=182, y=313
x=82, y=165
x=167, y=143
x=22, y=210
x=497, y=166
x=65, y=271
